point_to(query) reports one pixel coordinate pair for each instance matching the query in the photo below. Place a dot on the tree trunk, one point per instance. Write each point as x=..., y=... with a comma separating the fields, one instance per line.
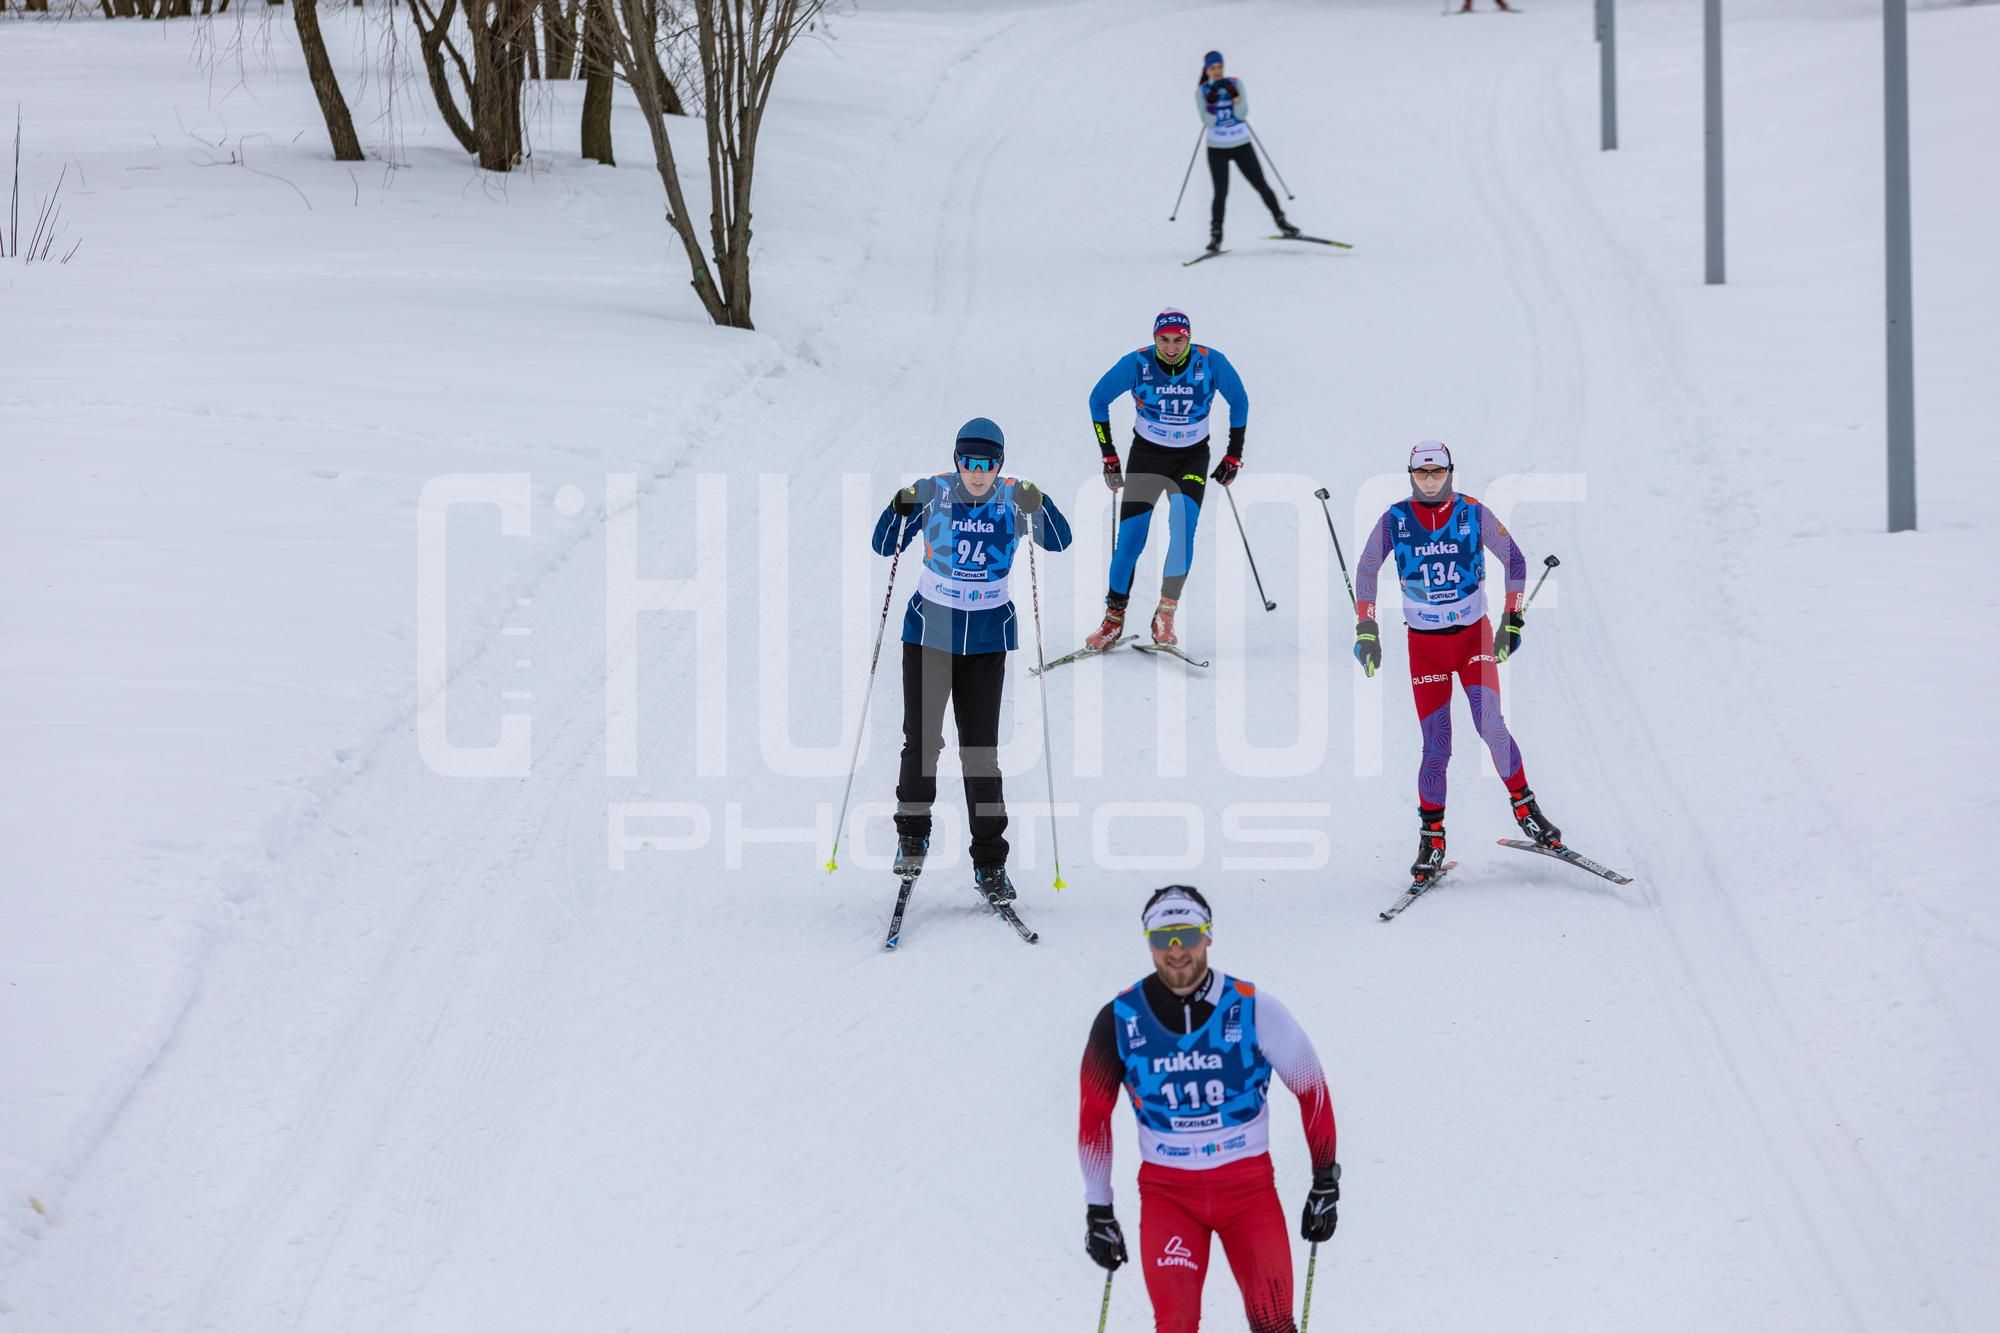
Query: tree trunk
x=498, y=64
x=559, y=39
x=432, y=40
x=597, y=83
x=339, y=125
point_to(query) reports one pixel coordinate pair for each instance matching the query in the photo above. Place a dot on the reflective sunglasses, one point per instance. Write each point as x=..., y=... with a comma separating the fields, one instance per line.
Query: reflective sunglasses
x=978, y=464
x=1177, y=937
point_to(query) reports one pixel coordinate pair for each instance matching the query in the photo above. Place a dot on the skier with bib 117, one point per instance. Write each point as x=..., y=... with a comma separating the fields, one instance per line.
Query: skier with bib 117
x=957, y=633
x=1225, y=110
x=1173, y=385
x=1193, y=1051
x=1436, y=539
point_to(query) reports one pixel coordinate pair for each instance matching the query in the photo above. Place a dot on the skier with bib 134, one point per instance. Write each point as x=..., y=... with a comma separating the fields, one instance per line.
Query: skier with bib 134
x=957, y=633
x=1436, y=539
x=1193, y=1051
x=1226, y=112
x=1173, y=385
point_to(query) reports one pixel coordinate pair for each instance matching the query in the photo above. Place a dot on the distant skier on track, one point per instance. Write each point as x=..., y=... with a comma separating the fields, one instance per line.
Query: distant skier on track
x=1436, y=538
x=1226, y=111
x=957, y=633
x=1194, y=1051
x=1173, y=384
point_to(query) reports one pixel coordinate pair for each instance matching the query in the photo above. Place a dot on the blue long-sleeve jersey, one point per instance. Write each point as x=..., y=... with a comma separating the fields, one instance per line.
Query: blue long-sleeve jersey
x=963, y=603
x=1173, y=407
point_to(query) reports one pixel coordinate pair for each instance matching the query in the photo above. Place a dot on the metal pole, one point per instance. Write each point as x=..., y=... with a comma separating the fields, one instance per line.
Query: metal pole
x=1607, y=73
x=1896, y=160
x=1711, y=132
x=1187, y=175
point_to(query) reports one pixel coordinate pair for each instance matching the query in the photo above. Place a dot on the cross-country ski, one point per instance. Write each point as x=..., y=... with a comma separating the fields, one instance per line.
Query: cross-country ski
x=1570, y=856
x=1416, y=890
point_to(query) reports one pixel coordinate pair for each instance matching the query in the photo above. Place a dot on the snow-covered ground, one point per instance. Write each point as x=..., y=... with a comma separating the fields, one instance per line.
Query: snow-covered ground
x=304, y=1029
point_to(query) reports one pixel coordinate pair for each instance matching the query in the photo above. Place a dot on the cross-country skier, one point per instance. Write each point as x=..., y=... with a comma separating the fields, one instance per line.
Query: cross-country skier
x=1436, y=538
x=957, y=633
x=1226, y=112
x=1173, y=384
x=1194, y=1051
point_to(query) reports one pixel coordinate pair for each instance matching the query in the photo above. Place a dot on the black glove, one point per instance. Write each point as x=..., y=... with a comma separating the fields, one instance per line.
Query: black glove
x=1102, y=1237
x=1510, y=635
x=1225, y=471
x=1114, y=476
x=1028, y=498
x=1368, y=645
x=1319, y=1219
x=906, y=501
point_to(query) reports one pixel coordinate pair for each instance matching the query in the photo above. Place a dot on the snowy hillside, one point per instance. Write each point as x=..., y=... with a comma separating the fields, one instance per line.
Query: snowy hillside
x=415, y=923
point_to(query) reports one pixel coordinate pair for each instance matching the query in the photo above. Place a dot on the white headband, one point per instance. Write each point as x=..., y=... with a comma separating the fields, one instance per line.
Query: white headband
x=1175, y=909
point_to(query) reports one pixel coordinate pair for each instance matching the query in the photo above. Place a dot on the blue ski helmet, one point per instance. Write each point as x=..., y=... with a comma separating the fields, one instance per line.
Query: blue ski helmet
x=981, y=438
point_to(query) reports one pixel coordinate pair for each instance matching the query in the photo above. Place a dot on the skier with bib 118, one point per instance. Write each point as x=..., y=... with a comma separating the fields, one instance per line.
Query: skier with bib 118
x=957, y=633
x=1436, y=539
x=1173, y=385
x=1225, y=110
x=1194, y=1051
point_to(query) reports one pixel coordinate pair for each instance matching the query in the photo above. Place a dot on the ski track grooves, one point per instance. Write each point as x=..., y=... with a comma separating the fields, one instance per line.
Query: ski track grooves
x=1823, y=1206
x=327, y=1157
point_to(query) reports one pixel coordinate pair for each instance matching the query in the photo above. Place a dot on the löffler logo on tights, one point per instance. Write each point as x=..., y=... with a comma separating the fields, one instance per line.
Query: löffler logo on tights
x=1177, y=1255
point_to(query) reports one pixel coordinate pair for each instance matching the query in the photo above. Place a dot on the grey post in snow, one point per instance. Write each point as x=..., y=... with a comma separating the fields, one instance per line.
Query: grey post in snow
x=1896, y=164
x=1711, y=133
x=1607, y=72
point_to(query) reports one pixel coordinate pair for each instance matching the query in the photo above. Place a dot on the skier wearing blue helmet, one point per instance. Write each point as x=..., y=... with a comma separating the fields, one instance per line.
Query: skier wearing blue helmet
x=957, y=632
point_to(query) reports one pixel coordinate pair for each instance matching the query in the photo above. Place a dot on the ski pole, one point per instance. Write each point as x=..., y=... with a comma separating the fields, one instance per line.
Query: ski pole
x=888, y=595
x=1548, y=563
x=1312, y=1263
x=1104, y=1310
x=1351, y=601
x=1187, y=175
x=1269, y=605
x=1338, y=555
x=1042, y=674
x=1268, y=158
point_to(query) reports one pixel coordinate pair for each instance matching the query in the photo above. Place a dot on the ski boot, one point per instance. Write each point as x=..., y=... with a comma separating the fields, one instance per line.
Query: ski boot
x=1286, y=229
x=992, y=882
x=910, y=856
x=1430, y=846
x=1534, y=823
x=1215, y=238
x=1111, y=631
x=1163, y=623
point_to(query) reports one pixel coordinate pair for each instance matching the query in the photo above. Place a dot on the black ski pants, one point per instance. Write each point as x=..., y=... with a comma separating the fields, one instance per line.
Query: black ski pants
x=973, y=684
x=1245, y=157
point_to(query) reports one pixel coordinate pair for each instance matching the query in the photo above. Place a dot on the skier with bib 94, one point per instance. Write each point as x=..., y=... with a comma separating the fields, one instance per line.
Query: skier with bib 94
x=1193, y=1051
x=1173, y=383
x=957, y=632
x=1436, y=539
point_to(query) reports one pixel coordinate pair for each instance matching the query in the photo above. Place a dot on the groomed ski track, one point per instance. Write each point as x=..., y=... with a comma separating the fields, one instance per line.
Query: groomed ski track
x=444, y=1070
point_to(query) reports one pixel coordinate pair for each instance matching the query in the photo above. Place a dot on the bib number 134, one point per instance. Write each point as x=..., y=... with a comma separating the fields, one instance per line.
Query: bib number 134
x=1437, y=573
